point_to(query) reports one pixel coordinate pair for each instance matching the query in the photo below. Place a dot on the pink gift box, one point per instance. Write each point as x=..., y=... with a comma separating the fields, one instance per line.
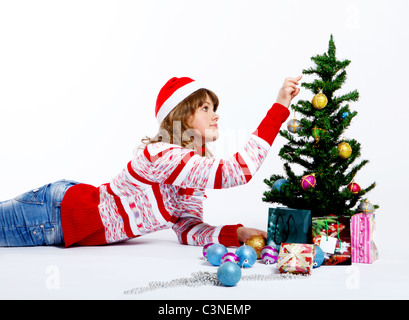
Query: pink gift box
x=296, y=258
x=364, y=249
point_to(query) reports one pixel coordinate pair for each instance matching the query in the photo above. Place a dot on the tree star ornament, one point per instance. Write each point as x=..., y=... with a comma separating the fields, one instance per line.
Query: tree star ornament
x=308, y=181
x=344, y=150
x=319, y=101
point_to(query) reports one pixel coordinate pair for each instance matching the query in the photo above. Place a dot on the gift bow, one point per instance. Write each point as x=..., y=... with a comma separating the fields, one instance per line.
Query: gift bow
x=294, y=252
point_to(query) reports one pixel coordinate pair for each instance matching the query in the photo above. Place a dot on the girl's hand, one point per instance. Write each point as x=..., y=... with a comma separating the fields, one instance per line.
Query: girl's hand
x=288, y=91
x=243, y=234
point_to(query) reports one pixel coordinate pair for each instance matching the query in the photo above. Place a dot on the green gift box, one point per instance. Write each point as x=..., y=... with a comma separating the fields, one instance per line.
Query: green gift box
x=288, y=225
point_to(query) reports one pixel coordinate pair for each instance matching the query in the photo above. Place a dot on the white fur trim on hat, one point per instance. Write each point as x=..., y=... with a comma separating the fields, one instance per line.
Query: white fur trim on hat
x=178, y=96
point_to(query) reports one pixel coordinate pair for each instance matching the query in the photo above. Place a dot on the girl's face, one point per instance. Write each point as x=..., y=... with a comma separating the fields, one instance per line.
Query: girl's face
x=204, y=122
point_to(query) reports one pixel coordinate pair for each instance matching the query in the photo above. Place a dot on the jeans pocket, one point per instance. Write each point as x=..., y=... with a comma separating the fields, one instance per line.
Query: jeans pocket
x=50, y=235
x=37, y=235
x=45, y=235
x=35, y=196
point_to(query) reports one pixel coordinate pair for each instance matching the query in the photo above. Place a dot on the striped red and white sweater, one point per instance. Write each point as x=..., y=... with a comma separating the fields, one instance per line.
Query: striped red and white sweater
x=164, y=187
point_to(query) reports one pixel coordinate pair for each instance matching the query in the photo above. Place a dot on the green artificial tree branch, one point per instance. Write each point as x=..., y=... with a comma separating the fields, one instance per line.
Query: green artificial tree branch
x=314, y=148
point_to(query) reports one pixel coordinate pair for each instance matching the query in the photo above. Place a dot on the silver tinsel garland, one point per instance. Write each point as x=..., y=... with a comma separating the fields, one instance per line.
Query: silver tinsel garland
x=209, y=278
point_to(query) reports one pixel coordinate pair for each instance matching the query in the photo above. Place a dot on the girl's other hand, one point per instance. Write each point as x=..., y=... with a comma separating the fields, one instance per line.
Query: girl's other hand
x=288, y=91
x=243, y=234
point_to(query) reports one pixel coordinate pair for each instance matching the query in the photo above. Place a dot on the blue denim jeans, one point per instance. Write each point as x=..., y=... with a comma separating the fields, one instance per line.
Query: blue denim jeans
x=34, y=218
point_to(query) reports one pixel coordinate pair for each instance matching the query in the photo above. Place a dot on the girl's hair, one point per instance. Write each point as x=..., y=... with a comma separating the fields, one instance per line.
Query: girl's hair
x=175, y=129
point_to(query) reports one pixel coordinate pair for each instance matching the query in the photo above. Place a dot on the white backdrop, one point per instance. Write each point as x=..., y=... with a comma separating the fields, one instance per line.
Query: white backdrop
x=79, y=79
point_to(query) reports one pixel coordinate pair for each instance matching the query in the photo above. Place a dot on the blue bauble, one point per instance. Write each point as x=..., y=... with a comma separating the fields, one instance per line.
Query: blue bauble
x=215, y=253
x=229, y=274
x=247, y=256
x=319, y=257
x=278, y=184
x=345, y=114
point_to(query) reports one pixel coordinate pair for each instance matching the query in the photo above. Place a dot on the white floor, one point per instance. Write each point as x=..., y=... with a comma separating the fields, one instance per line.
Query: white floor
x=107, y=272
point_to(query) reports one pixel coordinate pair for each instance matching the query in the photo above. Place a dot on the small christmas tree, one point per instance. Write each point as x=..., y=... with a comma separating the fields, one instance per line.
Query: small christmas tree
x=317, y=144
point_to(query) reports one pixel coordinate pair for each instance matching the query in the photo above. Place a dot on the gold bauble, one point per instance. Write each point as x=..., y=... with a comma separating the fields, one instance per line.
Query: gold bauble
x=319, y=101
x=344, y=150
x=257, y=243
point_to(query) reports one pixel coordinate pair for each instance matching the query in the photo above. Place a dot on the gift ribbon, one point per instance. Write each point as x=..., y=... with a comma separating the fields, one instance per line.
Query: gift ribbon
x=339, y=239
x=294, y=252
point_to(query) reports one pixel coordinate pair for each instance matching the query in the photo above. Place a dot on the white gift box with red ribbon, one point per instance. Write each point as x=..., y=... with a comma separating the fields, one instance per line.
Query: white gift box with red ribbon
x=296, y=258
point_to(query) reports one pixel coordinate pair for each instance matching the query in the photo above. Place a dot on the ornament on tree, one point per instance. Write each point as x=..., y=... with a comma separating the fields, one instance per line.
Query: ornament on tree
x=366, y=207
x=308, y=181
x=293, y=125
x=277, y=185
x=317, y=133
x=257, y=242
x=319, y=101
x=344, y=150
x=345, y=114
x=354, y=187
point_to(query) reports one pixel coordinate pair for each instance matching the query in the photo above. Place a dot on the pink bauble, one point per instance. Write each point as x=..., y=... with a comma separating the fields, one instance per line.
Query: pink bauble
x=269, y=255
x=229, y=256
x=308, y=181
x=206, y=247
x=354, y=187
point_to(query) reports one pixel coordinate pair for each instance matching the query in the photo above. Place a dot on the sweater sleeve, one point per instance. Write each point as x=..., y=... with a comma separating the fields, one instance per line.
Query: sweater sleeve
x=191, y=230
x=270, y=125
x=185, y=168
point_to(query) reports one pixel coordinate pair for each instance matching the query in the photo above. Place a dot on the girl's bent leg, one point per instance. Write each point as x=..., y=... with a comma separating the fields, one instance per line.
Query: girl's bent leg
x=34, y=218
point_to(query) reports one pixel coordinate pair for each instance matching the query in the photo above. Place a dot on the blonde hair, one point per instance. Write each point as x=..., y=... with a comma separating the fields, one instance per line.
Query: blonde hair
x=175, y=129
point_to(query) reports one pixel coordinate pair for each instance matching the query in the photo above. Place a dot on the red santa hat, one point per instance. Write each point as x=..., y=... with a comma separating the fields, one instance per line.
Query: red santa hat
x=172, y=93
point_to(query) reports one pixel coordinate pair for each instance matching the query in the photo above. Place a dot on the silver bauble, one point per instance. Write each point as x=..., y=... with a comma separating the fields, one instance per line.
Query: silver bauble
x=293, y=126
x=366, y=207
